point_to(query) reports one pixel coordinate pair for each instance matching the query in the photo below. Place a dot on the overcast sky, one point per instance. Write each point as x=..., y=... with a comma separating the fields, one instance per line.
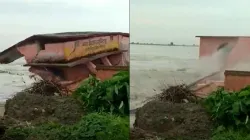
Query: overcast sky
x=22, y=18
x=163, y=21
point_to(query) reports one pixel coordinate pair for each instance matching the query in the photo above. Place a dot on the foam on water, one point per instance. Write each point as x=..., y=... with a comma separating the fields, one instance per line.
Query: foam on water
x=13, y=78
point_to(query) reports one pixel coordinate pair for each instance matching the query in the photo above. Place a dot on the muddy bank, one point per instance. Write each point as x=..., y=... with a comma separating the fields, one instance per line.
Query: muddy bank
x=42, y=103
x=184, y=120
x=168, y=117
x=32, y=107
x=36, y=109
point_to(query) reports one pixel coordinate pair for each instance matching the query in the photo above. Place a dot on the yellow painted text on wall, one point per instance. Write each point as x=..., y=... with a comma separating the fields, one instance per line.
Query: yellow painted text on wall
x=90, y=47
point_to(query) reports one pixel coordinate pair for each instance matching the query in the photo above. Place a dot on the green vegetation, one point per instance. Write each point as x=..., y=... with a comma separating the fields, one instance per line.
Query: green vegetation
x=230, y=112
x=222, y=133
x=107, y=103
x=108, y=96
x=94, y=126
x=230, y=109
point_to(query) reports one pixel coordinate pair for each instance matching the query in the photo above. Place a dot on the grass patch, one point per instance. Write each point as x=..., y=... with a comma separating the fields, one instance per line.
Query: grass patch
x=94, y=126
x=231, y=134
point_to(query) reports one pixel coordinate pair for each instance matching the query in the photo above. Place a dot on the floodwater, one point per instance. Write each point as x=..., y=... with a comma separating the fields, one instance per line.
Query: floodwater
x=13, y=78
x=155, y=67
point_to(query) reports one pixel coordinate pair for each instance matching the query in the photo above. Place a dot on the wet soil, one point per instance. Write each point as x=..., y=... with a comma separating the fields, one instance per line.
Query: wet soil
x=185, y=121
x=37, y=109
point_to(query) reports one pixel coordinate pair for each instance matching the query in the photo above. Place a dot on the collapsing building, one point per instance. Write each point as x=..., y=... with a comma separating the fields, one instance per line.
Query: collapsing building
x=236, y=50
x=68, y=58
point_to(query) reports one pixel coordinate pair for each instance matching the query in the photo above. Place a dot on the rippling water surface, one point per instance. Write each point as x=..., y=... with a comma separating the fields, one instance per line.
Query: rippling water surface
x=13, y=78
x=153, y=67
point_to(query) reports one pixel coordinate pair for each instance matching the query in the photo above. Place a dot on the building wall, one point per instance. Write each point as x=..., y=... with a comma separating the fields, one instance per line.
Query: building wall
x=101, y=74
x=57, y=51
x=74, y=75
x=29, y=51
x=240, y=52
x=209, y=45
x=105, y=74
x=236, y=80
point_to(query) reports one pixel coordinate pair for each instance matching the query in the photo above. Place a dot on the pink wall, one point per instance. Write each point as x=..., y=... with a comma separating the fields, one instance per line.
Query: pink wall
x=101, y=74
x=29, y=51
x=209, y=45
x=76, y=73
x=56, y=50
x=240, y=51
x=105, y=74
x=236, y=80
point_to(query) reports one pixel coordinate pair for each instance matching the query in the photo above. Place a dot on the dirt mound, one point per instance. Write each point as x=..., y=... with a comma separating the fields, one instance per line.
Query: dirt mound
x=178, y=120
x=37, y=108
x=139, y=134
x=177, y=94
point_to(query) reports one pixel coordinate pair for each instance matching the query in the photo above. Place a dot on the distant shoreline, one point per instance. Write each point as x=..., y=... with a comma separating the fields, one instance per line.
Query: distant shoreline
x=165, y=44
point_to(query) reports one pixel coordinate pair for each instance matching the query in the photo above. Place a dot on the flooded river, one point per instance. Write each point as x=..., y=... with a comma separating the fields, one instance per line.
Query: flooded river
x=14, y=77
x=155, y=67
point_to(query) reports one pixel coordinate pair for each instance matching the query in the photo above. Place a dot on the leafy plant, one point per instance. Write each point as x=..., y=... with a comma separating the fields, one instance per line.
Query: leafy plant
x=223, y=133
x=103, y=127
x=110, y=95
x=94, y=126
x=16, y=133
x=230, y=108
